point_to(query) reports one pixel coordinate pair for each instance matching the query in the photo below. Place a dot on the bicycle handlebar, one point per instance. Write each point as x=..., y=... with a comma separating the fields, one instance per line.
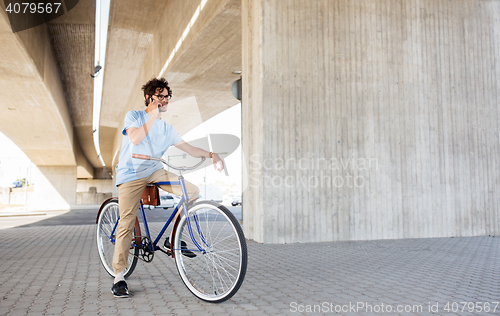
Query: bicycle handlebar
x=139, y=156
x=183, y=168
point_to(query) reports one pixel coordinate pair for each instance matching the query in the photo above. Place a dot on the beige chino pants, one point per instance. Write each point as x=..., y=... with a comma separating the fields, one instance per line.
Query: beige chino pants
x=129, y=199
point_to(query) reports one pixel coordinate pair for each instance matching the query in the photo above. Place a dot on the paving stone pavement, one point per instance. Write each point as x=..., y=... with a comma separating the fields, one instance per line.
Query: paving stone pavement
x=55, y=270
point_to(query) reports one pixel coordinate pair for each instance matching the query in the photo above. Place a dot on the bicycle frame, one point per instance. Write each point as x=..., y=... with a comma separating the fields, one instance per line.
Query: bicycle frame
x=182, y=202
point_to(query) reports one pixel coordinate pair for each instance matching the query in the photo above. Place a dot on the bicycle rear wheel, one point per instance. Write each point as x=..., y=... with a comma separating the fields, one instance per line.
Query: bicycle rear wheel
x=217, y=273
x=106, y=243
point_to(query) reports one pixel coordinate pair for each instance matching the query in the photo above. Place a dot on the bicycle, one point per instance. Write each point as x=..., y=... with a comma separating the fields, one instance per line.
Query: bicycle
x=209, y=247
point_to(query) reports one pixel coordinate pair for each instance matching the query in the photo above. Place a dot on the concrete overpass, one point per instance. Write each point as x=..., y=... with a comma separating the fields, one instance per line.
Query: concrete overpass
x=47, y=93
x=361, y=119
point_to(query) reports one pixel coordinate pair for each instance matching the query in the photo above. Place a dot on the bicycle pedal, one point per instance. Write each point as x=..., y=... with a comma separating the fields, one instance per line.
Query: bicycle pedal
x=186, y=253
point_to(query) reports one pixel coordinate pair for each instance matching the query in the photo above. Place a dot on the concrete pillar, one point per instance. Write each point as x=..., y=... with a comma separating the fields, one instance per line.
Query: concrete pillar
x=370, y=119
x=55, y=188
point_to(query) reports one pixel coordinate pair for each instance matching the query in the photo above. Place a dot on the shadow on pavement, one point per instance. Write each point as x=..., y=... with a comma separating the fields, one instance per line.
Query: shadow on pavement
x=87, y=216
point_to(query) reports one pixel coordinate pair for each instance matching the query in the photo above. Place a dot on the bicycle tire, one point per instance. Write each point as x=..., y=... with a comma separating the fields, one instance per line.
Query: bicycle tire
x=216, y=275
x=105, y=247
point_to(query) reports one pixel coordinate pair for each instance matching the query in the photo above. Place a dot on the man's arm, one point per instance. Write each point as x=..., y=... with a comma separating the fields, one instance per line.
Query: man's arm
x=137, y=134
x=198, y=153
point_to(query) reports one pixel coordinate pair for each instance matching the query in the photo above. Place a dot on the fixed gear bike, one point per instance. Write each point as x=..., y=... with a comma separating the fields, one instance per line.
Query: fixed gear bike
x=209, y=247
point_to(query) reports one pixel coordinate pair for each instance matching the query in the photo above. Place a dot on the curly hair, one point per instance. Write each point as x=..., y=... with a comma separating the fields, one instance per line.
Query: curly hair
x=155, y=85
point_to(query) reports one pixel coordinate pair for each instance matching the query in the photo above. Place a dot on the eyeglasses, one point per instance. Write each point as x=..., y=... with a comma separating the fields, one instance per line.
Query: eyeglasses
x=161, y=97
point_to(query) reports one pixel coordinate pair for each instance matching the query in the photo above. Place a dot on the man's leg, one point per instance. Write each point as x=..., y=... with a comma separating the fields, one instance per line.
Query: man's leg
x=129, y=199
x=164, y=175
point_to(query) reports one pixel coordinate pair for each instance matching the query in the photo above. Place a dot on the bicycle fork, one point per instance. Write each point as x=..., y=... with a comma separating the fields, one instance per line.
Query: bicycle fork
x=188, y=221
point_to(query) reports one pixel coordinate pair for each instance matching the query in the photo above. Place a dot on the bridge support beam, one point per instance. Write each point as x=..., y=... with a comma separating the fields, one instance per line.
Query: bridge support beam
x=370, y=119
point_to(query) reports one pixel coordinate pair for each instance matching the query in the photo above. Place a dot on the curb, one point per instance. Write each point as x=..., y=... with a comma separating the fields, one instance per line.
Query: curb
x=17, y=215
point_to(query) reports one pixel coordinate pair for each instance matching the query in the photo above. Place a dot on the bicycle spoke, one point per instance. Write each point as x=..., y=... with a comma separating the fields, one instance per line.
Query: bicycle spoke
x=206, y=268
x=214, y=221
x=221, y=229
x=227, y=251
x=196, y=281
x=229, y=236
x=230, y=276
x=221, y=278
x=229, y=260
x=210, y=272
x=220, y=265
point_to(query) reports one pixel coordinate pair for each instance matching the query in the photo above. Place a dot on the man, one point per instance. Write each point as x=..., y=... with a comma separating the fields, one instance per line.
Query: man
x=144, y=132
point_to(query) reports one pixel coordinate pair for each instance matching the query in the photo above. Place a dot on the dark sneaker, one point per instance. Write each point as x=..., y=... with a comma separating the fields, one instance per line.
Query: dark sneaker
x=120, y=289
x=187, y=253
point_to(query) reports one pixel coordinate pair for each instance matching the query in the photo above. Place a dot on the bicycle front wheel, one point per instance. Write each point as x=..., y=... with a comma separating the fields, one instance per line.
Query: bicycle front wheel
x=106, y=239
x=216, y=273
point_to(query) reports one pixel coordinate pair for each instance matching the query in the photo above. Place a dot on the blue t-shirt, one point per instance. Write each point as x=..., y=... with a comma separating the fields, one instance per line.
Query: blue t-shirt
x=160, y=137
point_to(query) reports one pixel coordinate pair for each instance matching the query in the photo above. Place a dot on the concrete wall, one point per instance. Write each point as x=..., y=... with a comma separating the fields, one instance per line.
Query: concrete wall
x=55, y=188
x=16, y=196
x=102, y=185
x=21, y=196
x=92, y=196
x=370, y=119
x=5, y=196
x=94, y=191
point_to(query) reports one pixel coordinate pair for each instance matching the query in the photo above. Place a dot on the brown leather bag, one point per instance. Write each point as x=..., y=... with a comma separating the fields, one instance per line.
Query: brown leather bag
x=151, y=195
